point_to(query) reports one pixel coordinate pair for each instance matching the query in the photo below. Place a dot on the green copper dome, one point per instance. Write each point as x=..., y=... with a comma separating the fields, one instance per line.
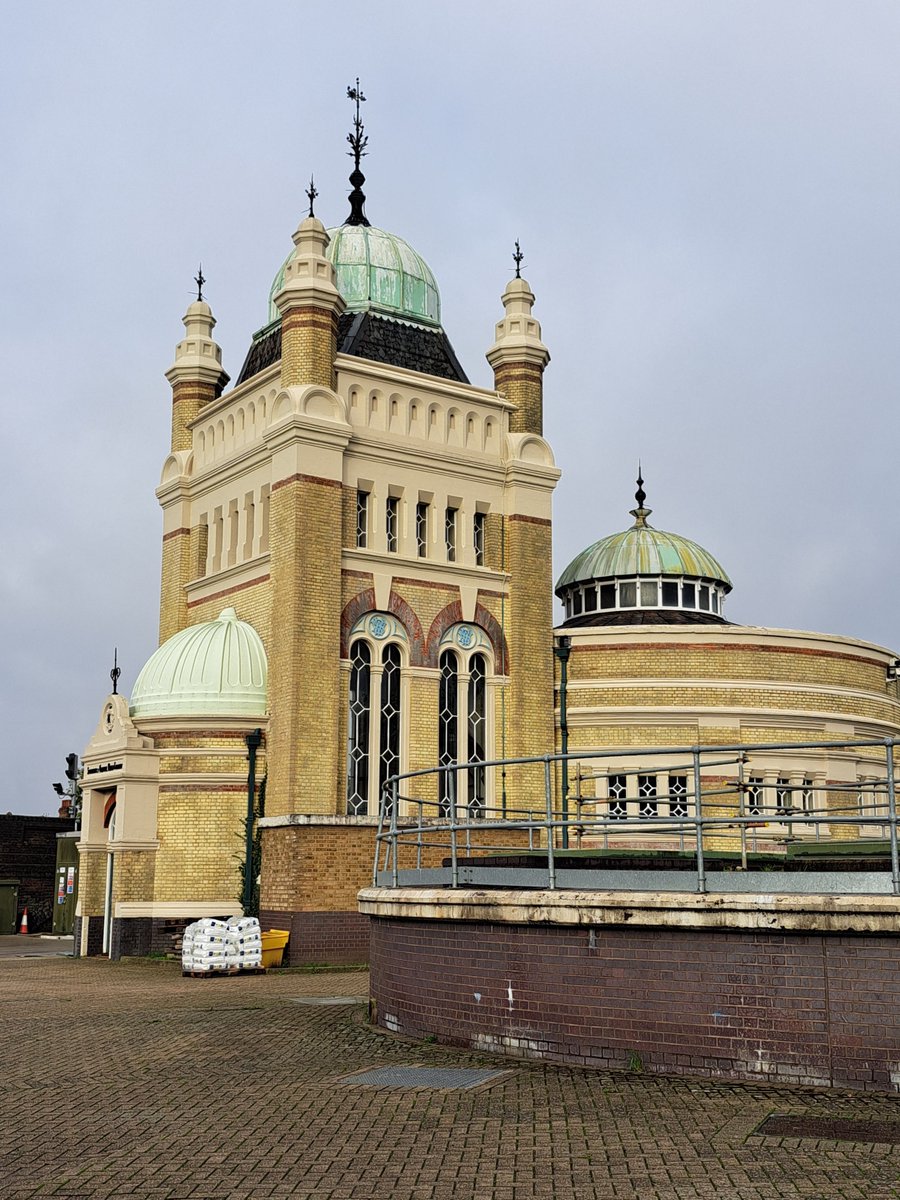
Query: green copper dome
x=216, y=668
x=379, y=272
x=643, y=550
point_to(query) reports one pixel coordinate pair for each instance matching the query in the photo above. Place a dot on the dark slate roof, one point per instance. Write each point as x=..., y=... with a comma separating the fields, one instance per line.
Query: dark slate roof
x=368, y=335
x=644, y=616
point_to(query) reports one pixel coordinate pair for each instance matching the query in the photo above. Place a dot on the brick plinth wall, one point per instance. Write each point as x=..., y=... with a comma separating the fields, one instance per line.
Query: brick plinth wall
x=744, y=1004
x=313, y=870
x=335, y=938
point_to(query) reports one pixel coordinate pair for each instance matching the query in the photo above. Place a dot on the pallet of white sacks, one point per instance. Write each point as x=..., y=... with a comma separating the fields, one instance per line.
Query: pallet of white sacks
x=224, y=971
x=213, y=947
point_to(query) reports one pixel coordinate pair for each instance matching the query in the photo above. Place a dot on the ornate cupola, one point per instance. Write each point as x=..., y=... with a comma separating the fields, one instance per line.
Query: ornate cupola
x=644, y=576
x=390, y=306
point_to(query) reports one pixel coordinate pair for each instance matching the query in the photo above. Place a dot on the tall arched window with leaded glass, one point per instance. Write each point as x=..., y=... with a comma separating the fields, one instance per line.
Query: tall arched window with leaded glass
x=477, y=734
x=358, y=729
x=464, y=721
x=448, y=731
x=376, y=702
x=389, y=732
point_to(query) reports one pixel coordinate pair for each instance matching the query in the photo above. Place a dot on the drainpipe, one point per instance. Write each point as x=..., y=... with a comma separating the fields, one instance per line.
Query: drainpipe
x=562, y=649
x=253, y=740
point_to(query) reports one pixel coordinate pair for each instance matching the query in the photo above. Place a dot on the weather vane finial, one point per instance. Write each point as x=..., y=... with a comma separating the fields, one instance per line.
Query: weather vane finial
x=640, y=513
x=358, y=142
x=199, y=280
x=518, y=257
x=311, y=193
x=116, y=671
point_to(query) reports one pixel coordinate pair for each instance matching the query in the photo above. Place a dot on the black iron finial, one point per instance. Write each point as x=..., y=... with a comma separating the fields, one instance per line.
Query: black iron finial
x=358, y=142
x=199, y=280
x=518, y=257
x=640, y=495
x=311, y=193
x=116, y=671
x=640, y=513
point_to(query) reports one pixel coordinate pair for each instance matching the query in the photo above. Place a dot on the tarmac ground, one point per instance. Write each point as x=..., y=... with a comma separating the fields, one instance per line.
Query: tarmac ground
x=129, y=1080
x=34, y=945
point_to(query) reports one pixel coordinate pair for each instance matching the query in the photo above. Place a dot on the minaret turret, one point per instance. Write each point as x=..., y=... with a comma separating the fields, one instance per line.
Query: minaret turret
x=196, y=375
x=518, y=356
x=310, y=304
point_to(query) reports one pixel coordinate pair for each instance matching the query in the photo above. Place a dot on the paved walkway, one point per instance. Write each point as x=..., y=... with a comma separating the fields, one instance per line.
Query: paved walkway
x=126, y=1080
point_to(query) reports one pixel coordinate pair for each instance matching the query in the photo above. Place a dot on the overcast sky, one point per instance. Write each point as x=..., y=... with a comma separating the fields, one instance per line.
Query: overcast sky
x=707, y=194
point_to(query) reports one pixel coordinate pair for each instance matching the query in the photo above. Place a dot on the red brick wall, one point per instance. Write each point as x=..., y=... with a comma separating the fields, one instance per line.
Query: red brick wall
x=789, y=1008
x=336, y=938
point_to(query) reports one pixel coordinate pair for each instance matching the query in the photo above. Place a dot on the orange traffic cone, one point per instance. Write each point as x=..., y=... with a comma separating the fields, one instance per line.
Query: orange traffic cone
x=23, y=928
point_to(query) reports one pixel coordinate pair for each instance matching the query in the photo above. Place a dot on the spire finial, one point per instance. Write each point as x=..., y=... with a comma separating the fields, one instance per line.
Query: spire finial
x=640, y=513
x=199, y=280
x=518, y=258
x=116, y=671
x=358, y=142
x=311, y=193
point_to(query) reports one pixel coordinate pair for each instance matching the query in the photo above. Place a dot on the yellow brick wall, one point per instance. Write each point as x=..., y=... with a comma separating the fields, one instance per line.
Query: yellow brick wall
x=252, y=603
x=188, y=397
x=493, y=541
x=92, y=882
x=348, y=516
x=720, y=661
x=321, y=868
x=308, y=347
x=423, y=739
x=522, y=385
x=304, y=672
x=176, y=572
x=529, y=706
x=826, y=702
x=200, y=823
x=198, y=551
x=426, y=602
x=201, y=838
x=133, y=875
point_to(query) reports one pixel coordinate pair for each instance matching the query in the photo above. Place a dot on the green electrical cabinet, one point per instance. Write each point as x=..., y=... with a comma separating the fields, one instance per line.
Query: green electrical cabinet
x=9, y=903
x=66, y=887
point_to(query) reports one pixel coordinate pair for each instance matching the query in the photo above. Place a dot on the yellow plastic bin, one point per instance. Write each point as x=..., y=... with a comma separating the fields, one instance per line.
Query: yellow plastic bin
x=273, y=944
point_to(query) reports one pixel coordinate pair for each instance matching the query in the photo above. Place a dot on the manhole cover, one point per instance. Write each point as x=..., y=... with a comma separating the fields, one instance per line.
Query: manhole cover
x=318, y=1000
x=422, y=1077
x=839, y=1129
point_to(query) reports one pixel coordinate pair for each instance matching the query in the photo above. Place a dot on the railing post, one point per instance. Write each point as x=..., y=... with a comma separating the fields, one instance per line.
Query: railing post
x=454, y=849
x=741, y=811
x=892, y=813
x=395, y=865
x=379, y=835
x=698, y=824
x=548, y=796
x=419, y=838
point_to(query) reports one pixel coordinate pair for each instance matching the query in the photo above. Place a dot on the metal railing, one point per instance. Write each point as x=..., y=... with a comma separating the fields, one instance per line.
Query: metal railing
x=724, y=798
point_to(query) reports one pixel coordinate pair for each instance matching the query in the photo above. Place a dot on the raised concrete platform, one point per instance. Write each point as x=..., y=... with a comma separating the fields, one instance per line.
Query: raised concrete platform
x=801, y=988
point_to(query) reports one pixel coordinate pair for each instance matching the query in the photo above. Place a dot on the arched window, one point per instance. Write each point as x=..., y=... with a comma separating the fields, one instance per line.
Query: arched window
x=464, y=720
x=375, y=710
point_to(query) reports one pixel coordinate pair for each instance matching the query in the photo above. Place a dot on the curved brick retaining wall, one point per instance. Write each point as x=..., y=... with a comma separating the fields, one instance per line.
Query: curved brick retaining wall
x=793, y=989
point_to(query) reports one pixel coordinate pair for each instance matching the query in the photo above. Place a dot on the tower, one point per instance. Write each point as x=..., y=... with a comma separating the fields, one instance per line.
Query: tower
x=377, y=529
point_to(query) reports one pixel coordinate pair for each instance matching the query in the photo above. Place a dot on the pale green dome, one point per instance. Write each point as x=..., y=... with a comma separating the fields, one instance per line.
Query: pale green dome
x=377, y=272
x=643, y=550
x=643, y=576
x=216, y=668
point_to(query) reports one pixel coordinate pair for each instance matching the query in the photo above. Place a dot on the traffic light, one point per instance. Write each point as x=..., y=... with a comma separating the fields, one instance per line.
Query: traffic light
x=72, y=767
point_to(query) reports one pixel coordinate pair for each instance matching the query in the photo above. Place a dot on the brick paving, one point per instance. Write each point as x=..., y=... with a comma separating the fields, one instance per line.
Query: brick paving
x=126, y=1080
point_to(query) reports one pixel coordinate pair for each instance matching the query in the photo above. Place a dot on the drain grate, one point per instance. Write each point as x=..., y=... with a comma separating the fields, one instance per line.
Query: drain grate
x=422, y=1077
x=319, y=1000
x=839, y=1129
